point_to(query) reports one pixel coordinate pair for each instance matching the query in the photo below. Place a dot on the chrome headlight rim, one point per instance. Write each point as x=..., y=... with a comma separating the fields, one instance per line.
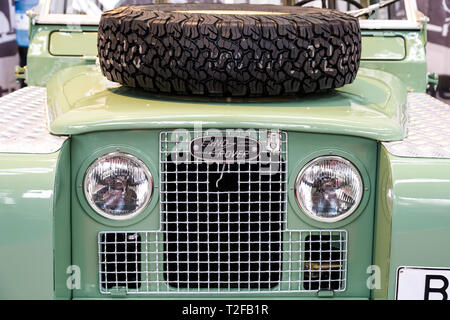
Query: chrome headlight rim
x=359, y=200
x=147, y=200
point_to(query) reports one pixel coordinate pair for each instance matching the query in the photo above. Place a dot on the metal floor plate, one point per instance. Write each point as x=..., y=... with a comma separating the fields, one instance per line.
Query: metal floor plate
x=428, y=129
x=23, y=123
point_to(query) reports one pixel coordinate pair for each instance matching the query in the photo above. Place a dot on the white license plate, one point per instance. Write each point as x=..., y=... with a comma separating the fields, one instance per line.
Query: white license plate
x=416, y=283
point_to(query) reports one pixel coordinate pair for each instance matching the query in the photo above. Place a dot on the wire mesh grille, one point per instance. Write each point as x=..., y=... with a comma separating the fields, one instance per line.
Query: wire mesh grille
x=223, y=224
x=308, y=261
x=223, y=219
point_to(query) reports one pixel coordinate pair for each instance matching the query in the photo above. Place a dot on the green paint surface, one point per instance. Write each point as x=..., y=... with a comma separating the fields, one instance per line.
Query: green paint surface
x=42, y=63
x=412, y=69
x=35, y=247
x=81, y=100
x=66, y=43
x=26, y=225
x=383, y=48
x=413, y=218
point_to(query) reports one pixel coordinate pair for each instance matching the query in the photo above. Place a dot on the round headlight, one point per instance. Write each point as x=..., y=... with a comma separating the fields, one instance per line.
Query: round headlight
x=329, y=189
x=118, y=186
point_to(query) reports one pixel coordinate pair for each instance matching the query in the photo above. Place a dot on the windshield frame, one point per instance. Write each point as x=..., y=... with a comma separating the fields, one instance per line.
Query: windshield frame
x=41, y=15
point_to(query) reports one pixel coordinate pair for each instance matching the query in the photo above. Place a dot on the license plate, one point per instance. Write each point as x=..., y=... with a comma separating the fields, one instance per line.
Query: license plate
x=419, y=283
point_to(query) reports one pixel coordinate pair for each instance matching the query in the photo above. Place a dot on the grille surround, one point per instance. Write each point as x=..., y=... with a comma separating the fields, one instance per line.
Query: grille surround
x=278, y=266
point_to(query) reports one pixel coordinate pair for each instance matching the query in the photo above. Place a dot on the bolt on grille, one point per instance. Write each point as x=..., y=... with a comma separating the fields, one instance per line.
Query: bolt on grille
x=223, y=225
x=222, y=220
x=308, y=261
x=121, y=254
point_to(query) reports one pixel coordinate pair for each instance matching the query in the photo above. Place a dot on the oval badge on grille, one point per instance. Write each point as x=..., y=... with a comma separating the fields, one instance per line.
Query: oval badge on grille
x=225, y=148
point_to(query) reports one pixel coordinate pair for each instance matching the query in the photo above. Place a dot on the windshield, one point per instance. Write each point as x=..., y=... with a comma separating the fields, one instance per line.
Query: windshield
x=94, y=8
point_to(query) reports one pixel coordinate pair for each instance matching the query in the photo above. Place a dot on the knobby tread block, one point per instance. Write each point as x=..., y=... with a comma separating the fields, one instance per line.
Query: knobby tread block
x=262, y=50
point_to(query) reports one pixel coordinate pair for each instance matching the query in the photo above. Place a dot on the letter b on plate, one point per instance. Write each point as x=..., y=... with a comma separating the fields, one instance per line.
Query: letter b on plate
x=415, y=283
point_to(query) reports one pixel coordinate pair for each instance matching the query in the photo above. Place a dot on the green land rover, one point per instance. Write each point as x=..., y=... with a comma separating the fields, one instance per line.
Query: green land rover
x=225, y=151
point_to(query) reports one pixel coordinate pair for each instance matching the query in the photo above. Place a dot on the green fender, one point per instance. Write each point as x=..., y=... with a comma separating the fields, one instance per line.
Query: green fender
x=413, y=217
x=34, y=225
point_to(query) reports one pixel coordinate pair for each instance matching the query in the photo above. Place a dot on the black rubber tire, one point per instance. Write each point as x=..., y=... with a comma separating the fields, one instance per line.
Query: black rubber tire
x=282, y=51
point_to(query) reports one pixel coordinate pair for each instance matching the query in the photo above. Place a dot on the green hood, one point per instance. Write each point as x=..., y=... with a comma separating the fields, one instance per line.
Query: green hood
x=81, y=100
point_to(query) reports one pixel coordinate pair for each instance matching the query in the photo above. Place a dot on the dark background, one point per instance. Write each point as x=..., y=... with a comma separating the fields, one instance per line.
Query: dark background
x=8, y=48
x=438, y=48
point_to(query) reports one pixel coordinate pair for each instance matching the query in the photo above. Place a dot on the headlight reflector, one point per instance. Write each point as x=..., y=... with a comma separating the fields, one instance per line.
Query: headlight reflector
x=118, y=186
x=329, y=188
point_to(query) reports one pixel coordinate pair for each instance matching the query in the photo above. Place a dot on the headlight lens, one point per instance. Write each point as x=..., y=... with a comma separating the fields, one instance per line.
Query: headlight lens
x=118, y=186
x=329, y=189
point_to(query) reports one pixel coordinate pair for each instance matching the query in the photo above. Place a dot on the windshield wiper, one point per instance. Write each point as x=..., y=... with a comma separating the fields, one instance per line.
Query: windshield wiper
x=370, y=9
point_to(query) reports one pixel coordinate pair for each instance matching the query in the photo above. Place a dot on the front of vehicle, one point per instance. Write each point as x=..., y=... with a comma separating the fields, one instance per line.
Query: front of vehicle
x=109, y=190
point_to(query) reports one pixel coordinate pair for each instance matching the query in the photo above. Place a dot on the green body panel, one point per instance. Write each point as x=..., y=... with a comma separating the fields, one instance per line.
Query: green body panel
x=412, y=69
x=383, y=48
x=62, y=224
x=65, y=43
x=81, y=100
x=42, y=61
x=145, y=144
x=33, y=188
x=413, y=218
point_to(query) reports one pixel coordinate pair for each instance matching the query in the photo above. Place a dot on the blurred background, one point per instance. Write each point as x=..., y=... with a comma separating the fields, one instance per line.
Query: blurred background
x=14, y=40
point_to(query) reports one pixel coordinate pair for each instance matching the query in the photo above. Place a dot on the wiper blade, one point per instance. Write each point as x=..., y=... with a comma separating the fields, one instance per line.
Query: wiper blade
x=370, y=9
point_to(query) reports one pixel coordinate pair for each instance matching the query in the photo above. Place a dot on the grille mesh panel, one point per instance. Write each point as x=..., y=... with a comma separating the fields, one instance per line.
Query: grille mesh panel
x=223, y=229
x=223, y=221
x=311, y=261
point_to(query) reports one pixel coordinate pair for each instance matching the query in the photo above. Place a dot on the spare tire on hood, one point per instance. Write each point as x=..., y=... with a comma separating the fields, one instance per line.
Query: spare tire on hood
x=229, y=50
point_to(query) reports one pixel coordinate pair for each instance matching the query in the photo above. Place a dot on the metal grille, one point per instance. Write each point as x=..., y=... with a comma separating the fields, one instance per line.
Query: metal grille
x=310, y=261
x=223, y=228
x=223, y=220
